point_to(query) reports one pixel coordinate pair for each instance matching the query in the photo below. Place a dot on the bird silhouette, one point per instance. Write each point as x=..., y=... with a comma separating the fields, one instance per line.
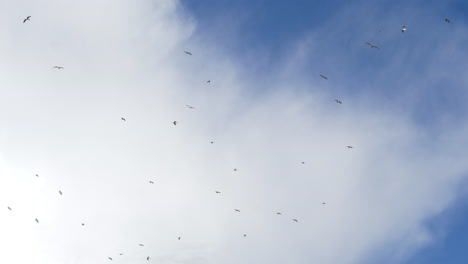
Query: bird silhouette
x=303, y=162
x=188, y=52
x=295, y=220
x=175, y=123
x=447, y=20
x=278, y=213
x=237, y=210
x=338, y=101
x=109, y=258
x=37, y=220
x=151, y=182
x=350, y=147
x=191, y=107
x=121, y=254
x=245, y=235
x=323, y=203
x=211, y=142
x=218, y=192
x=208, y=81
x=372, y=45
x=82, y=224
x=37, y=175
x=141, y=245
x=323, y=77
x=403, y=29
x=235, y=169
x=148, y=258
x=26, y=19
x=58, y=67
x=9, y=208
x=123, y=119
x=60, y=192
x=178, y=238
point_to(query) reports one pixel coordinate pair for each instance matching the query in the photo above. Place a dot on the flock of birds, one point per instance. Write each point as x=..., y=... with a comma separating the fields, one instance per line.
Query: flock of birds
x=28, y=18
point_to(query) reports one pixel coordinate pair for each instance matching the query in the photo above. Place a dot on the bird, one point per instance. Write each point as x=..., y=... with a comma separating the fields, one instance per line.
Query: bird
x=9, y=208
x=447, y=20
x=208, y=81
x=237, y=210
x=26, y=19
x=175, y=123
x=350, y=147
x=218, y=192
x=37, y=175
x=403, y=29
x=121, y=254
x=303, y=162
x=211, y=142
x=235, y=169
x=191, y=107
x=338, y=101
x=278, y=213
x=148, y=258
x=295, y=220
x=110, y=258
x=323, y=77
x=323, y=203
x=123, y=119
x=141, y=245
x=37, y=220
x=82, y=224
x=372, y=45
x=60, y=192
x=245, y=235
x=58, y=67
x=178, y=238
x=151, y=182
x=188, y=52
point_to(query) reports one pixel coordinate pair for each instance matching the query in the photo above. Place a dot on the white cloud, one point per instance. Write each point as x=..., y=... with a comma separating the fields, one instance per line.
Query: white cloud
x=125, y=58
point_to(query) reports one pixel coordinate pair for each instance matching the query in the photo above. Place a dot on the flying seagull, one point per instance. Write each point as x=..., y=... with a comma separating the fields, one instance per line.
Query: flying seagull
x=338, y=101
x=218, y=192
x=123, y=119
x=237, y=210
x=178, y=238
x=82, y=224
x=9, y=208
x=403, y=29
x=447, y=20
x=151, y=182
x=235, y=169
x=60, y=192
x=295, y=220
x=110, y=258
x=187, y=52
x=58, y=67
x=121, y=254
x=323, y=77
x=191, y=107
x=278, y=213
x=372, y=45
x=148, y=258
x=141, y=245
x=350, y=147
x=37, y=220
x=26, y=19
x=245, y=235
x=175, y=123
x=37, y=175
x=323, y=203
x=211, y=142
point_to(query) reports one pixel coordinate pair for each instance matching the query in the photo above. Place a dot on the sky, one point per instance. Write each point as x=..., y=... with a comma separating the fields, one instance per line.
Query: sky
x=265, y=132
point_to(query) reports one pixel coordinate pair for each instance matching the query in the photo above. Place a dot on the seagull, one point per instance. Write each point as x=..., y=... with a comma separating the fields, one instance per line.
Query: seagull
x=37, y=175
x=295, y=220
x=187, y=52
x=110, y=258
x=175, y=123
x=58, y=67
x=350, y=147
x=372, y=45
x=9, y=208
x=237, y=210
x=123, y=119
x=323, y=77
x=303, y=162
x=147, y=258
x=26, y=19
x=245, y=235
x=82, y=224
x=218, y=192
x=37, y=220
x=141, y=245
x=403, y=29
x=60, y=192
x=151, y=182
x=235, y=169
x=278, y=213
x=191, y=107
x=323, y=203
x=447, y=20
x=208, y=81
x=178, y=238
x=338, y=101
x=211, y=142
x=121, y=254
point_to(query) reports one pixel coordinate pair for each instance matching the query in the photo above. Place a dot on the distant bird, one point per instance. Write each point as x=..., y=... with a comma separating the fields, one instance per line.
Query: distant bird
x=295, y=220
x=9, y=208
x=372, y=45
x=303, y=162
x=338, y=101
x=211, y=142
x=37, y=175
x=123, y=119
x=278, y=213
x=350, y=147
x=191, y=107
x=218, y=192
x=58, y=67
x=187, y=52
x=82, y=224
x=323, y=203
x=245, y=235
x=403, y=29
x=26, y=19
x=175, y=123
x=237, y=210
x=235, y=169
x=178, y=238
x=148, y=258
x=208, y=81
x=37, y=220
x=447, y=20
x=60, y=192
x=323, y=77
x=151, y=182
x=121, y=254
x=110, y=258
x=141, y=245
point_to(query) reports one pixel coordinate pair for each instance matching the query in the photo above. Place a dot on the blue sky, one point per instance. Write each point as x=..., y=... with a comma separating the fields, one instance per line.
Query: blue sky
x=268, y=29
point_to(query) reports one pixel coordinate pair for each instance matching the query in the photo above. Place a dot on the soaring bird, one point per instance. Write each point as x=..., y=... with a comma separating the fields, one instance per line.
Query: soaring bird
x=121, y=254
x=403, y=29
x=151, y=182
x=372, y=45
x=9, y=208
x=278, y=213
x=447, y=20
x=26, y=19
x=175, y=123
x=187, y=52
x=350, y=147
x=323, y=77
x=60, y=192
x=37, y=220
x=211, y=142
x=58, y=67
x=123, y=119
x=218, y=192
x=141, y=245
x=237, y=210
x=178, y=238
x=148, y=258
x=82, y=224
x=235, y=169
x=245, y=235
x=208, y=81
x=37, y=175
x=191, y=107
x=338, y=101
x=295, y=220
x=323, y=203
x=110, y=258
x=303, y=162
